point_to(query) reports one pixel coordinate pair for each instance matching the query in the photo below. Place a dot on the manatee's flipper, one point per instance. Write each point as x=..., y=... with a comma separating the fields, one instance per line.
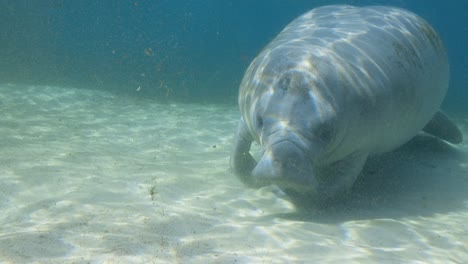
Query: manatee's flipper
x=339, y=177
x=335, y=182
x=442, y=127
x=242, y=163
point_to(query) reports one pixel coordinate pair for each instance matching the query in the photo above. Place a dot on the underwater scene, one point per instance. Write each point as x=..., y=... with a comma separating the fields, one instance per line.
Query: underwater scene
x=216, y=131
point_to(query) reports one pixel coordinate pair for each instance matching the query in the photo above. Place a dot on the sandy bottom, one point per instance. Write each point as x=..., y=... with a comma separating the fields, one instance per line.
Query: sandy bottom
x=91, y=177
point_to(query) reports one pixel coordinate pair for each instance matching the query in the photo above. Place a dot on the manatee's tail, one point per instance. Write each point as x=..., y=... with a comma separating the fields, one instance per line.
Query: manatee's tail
x=442, y=127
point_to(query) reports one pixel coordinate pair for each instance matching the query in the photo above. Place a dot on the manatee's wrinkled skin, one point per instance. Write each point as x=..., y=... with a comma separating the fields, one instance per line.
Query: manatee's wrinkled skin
x=338, y=84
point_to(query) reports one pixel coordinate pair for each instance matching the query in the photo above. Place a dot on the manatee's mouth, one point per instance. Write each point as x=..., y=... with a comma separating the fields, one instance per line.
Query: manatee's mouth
x=285, y=163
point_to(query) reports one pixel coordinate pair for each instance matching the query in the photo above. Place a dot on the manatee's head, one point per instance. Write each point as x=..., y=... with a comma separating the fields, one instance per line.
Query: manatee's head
x=293, y=121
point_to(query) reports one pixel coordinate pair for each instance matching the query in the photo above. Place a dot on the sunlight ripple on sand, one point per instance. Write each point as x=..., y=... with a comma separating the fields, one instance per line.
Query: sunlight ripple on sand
x=91, y=176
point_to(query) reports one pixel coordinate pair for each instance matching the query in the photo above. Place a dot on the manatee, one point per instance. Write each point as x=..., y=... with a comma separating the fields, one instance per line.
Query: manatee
x=336, y=86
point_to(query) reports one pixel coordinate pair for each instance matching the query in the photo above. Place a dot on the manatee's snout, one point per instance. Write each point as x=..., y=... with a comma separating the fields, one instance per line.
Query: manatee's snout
x=287, y=166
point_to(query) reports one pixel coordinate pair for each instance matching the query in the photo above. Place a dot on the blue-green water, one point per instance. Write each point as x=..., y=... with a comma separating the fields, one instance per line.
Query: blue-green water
x=184, y=50
x=117, y=123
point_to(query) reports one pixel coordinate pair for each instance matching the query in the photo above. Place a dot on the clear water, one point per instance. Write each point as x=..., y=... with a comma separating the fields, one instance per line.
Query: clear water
x=117, y=125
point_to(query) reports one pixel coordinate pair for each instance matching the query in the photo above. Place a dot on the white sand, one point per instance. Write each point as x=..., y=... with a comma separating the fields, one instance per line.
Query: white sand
x=91, y=177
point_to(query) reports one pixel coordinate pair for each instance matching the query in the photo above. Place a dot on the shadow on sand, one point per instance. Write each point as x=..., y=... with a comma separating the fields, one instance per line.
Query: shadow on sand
x=424, y=177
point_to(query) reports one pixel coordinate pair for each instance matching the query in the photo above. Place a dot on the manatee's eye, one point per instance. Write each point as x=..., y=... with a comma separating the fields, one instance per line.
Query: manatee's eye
x=325, y=132
x=259, y=122
x=294, y=82
x=284, y=82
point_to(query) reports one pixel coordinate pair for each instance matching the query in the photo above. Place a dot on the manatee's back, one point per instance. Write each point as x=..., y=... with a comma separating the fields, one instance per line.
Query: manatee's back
x=383, y=68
